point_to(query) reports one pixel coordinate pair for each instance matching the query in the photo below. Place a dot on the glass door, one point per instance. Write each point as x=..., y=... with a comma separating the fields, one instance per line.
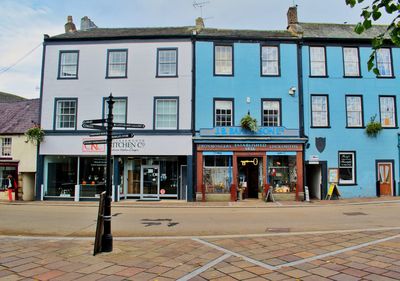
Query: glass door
x=150, y=182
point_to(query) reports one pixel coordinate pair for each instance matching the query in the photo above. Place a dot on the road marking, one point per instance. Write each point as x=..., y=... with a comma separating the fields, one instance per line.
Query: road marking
x=204, y=268
x=264, y=265
x=338, y=252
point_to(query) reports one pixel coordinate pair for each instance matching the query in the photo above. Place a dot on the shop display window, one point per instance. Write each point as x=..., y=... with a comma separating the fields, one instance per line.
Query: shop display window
x=4, y=172
x=61, y=176
x=92, y=173
x=217, y=173
x=282, y=173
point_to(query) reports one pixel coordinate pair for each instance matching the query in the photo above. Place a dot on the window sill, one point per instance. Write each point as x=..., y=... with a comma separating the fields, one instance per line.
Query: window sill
x=270, y=75
x=223, y=75
x=349, y=127
x=385, y=77
x=166, y=76
x=320, y=127
x=116, y=77
x=67, y=78
x=355, y=77
x=396, y=127
x=318, y=76
x=347, y=184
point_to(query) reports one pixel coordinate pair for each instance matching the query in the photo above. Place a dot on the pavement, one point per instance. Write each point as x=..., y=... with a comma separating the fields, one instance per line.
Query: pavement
x=338, y=251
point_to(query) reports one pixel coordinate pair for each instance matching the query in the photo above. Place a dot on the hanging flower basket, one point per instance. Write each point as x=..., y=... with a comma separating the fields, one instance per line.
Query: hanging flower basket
x=373, y=127
x=34, y=135
x=249, y=123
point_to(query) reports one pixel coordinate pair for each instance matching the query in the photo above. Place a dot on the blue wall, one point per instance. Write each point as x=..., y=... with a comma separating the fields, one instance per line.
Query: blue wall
x=246, y=82
x=338, y=137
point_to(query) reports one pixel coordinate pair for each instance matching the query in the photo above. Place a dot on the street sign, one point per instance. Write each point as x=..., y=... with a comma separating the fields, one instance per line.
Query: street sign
x=94, y=127
x=128, y=125
x=95, y=121
x=89, y=142
x=122, y=136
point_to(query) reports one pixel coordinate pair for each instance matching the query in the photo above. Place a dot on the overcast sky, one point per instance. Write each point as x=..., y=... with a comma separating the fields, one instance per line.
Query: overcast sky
x=23, y=23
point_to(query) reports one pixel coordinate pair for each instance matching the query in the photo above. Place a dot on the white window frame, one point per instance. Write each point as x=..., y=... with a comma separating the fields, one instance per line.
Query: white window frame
x=119, y=109
x=221, y=112
x=167, y=65
x=68, y=65
x=320, y=111
x=269, y=60
x=271, y=105
x=117, y=67
x=6, y=146
x=223, y=60
x=353, y=167
x=351, y=62
x=59, y=115
x=387, y=111
x=354, y=111
x=319, y=61
x=158, y=115
x=384, y=62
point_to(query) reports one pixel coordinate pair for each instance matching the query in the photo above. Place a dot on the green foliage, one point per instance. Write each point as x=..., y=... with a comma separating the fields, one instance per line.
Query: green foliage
x=34, y=135
x=249, y=123
x=373, y=127
x=371, y=14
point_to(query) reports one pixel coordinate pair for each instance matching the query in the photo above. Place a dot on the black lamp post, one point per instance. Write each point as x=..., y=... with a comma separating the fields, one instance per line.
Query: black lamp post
x=107, y=240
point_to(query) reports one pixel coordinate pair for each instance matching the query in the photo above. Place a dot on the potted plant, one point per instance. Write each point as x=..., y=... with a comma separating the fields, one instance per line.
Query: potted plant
x=373, y=127
x=34, y=135
x=249, y=123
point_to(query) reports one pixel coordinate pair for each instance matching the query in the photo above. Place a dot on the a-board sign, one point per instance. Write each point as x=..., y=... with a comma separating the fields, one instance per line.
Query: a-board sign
x=333, y=175
x=332, y=191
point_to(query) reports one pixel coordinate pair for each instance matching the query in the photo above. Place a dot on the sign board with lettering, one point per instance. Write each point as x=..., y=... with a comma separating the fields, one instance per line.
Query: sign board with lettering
x=333, y=175
x=249, y=147
x=346, y=160
x=239, y=131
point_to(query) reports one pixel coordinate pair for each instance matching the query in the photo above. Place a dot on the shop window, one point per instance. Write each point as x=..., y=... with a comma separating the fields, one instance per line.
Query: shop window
x=66, y=114
x=217, y=173
x=92, y=173
x=169, y=177
x=61, y=176
x=384, y=62
x=387, y=107
x=223, y=60
x=317, y=61
x=5, y=147
x=167, y=62
x=347, y=165
x=4, y=172
x=282, y=173
x=223, y=113
x=319, y=111
x=351, y=62
x=166, y=113
x=270, y=60
x=271, y=113
x=119, y=109
x=117, y=61
x=68, y=65
x=354, y=111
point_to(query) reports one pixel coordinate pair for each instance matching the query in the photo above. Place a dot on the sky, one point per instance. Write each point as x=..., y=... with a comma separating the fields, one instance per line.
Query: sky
x=24, y=22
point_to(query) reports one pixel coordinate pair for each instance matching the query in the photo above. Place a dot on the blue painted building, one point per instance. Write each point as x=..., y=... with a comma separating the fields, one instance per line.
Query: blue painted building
x=252, y=74
x=340, y=98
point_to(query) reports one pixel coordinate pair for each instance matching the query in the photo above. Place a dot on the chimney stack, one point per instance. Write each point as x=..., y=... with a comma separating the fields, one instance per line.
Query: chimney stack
x=199, y=23
x=293, y=23
x=69, y=26
x=86, y=23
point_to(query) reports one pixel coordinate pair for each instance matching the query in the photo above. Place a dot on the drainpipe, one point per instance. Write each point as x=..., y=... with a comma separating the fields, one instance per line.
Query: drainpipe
x=193, y=188
x=398, y=188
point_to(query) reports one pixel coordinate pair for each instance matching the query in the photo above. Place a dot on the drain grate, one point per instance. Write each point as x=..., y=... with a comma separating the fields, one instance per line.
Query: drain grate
x=355, y=214
x=277, y=229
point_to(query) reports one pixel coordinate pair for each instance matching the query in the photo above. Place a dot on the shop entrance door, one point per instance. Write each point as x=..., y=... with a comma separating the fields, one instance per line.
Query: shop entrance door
x=150, y=182
x=249, y=176
x=385, y=178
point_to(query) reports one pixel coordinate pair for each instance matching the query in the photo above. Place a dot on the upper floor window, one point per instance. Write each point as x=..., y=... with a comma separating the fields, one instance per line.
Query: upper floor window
x=354, y=111
x=317, y=61
x=319, y=111
x=166, y=113
x=66, y=110
x=347, y=167
x=351, y=62
x=119, y=109
x=5, y=146
x=387, y=107
x=223, y=60
x=384, y=62
x=117, y=63
x=68, y=65
x=167, y=62
x=223, y=113
x=270, y=60
x=271, y=114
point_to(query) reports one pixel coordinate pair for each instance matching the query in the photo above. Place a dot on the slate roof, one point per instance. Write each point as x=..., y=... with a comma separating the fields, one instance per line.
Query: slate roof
x=338, y=31
x=17, y=117
x=168, y=32
x=6, y=97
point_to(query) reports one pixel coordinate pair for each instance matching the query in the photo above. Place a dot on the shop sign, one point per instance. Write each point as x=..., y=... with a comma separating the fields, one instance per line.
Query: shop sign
x=239, y=131
x=250, y=147
x=346, y=160
x=118, y=145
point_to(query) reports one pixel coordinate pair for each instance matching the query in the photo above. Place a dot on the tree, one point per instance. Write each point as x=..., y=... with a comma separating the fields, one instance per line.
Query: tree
x=371, y=14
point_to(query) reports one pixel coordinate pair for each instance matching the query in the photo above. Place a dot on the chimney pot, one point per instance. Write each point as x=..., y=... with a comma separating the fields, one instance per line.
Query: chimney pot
x=292, y=15
x=199, y=23
x=69, y=26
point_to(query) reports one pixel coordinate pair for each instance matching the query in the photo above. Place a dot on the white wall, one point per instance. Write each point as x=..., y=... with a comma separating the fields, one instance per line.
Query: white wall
x=140, y=87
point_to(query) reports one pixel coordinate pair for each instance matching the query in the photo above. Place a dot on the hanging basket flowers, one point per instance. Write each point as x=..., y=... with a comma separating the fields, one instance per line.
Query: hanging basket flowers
x=373, y=127
x=249, y=123
x=34, y=135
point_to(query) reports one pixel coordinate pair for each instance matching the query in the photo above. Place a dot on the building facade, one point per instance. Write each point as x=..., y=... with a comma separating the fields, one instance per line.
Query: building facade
x=149, y=76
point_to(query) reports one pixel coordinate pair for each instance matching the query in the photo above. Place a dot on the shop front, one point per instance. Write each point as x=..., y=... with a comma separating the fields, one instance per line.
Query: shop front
x=138, y=172
x=8, y=168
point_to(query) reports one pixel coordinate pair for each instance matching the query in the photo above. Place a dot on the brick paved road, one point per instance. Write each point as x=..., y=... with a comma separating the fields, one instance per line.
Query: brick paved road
x=354, y=255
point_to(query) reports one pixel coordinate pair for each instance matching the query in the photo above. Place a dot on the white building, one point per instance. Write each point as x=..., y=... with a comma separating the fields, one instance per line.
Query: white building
x=149, y=73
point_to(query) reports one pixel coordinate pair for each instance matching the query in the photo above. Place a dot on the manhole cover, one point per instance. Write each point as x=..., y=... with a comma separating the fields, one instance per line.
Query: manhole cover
x=277, y=229
x=355, y=214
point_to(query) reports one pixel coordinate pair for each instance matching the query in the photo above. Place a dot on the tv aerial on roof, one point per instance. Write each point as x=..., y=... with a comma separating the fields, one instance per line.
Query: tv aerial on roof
x=200, y=5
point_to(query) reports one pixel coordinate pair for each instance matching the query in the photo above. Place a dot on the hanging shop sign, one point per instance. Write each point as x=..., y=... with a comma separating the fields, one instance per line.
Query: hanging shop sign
x=239, y=131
